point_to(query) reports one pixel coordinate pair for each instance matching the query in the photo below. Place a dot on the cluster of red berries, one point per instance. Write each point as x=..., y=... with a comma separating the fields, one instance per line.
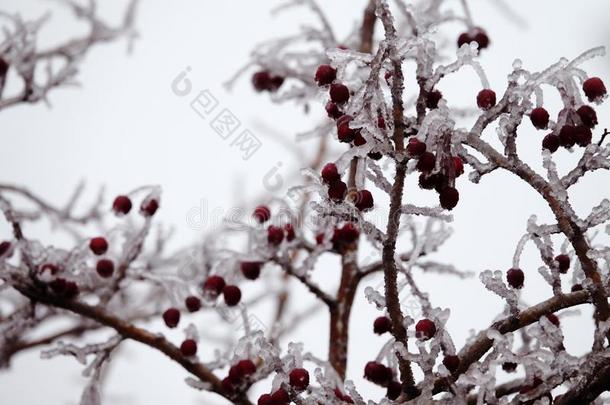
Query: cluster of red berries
x=279, y=397
x=275, y=234
x=122, y=205
x=381, y=375
x=343, y=237
x=265, y=81
x=240, y=375
x=337, y=189
x=59, y=286
x=99, y=246
x=215, y=285
x=477, y=35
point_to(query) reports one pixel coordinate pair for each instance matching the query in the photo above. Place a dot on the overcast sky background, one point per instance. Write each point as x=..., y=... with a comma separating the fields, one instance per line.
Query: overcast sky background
x=125, y=128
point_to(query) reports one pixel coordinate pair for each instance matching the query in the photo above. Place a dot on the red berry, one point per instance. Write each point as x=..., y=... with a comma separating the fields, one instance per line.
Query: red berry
x=375, y=155
x=320, y=238
x=105, y=268
x=553, y=319
x=343, y=397
x=364, y=200
x=509, y=367
x=171, y=317
x=275, y=235
x=344, y=132
x=5, y=247
x=464, y=38
x=251, y=270
x=377, y=373
x=276, y=83
x=98, y=245
x=333, y=110
x=149, y=207
x=587, y=115
x=121, y=205
x=382, y=325
x=582, y=135
x=227, y=385
x=337, y=190
x=428, y=182
x=515, y=278
x=262, y=214
x=261, y=81
x=214, y=285
x=576, y=287
x=265, y=399
x=449, y=198
x=232, y=295
x=486, y=99
x=594, y=89
x=394, y=390
x=426, y=162
x=359, y=140
x=299, y=379
x=425, y=329
x=433, y=98
x=381, y=122
x=289, y=231
x=325, y=75
x=563, y=262
x=481, y=38
x=458, y=163
x=452, y=362
x=415, y=147
x=71, y=290
x=64, y=288
x=339, y=93
x=280, y=397
x=330, y=173
x=241, y=371
x=192, y=303
x=539, y=117
x=567, y=136
x=188, y=348
x=346, y=235
x=551, y=143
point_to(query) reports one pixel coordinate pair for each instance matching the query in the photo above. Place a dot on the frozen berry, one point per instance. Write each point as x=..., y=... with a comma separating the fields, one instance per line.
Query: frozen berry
x=426, y=162
x=425, y=329
x=432, y=99
x=275, y=83
x=564, y=263
x=428, y=182
x=337, y=190
x=377, y=373
x=394, y=390
x=576, y=287
x=251, y=270
x=375, y=155
x=449, y=198
x=232, y=295
x=149, y=207
x=587, y=115
x=71, y=290
x=265, y=399
x=381, y=122
x=171, y=317
x=241, y=371
x=567, y=137
x=339, y=93
x=64, y=288
x=192, y=303
x=464, y=38
x=262, y=214
x=5, y=247
x=481, y=38
x=280, y=397
x=515, y=278
x=582, y=135
x=121, y=205
x=261, y=81
x=330, y=173
x=415, y=147
x=227, y=385
x=539, y=117
x=299, y=379
x=333, y=110
x=553, y=319
x=344, y=236
x=214, y=285
x=382, y=325
x=188, y=348
x=364, y=200
x=325, y=75
x=344, y=132
x=594, y=89
x=289, y=232
x=551, y=143
x=509, y=366
x=486, y=99
x=275, y=235
x=452, y=362
x=98, y=245
x=105, y=268
x=359, y=140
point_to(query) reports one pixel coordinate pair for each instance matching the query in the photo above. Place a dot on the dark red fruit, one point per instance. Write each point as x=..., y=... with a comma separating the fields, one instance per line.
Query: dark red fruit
x=344, y=132
x=64, y=288
x=433, y=98
x=149, y=207
x=515, y=278
x=333, y=110
x=275, y=235
x=214, y=285
x=377, y=373
x=344, y=236
x=509, y=367
x=449, y=198
x=594, y=89
x=576, y=287
x=394, y=390
x=265, y=399
x=587, y=115
x=5, y=247
x=452, y=362
x=428, y=182
x=330, y=173
x=171, y=317
x=553, y=319
x=276, y=83
x=299, y=379
x=415, y=147
x=540, y=118
x=426, y=162
x=280, y=397
x=343, y=397
x=481, y=38
x=261, y=81
x=564, y=263
x=105, y=268
x=232, y=295
x=320, y=238
x=337, y=190
x=188, y=348
x=339, y=93
x=359, y=140
x=251, y=270
x=464, y=38
x=192, y=303
x=425, y=329
x=486, y=99
x=241, y=371
x=289, y=231
x=71, y=290
x=364, y=200
x=567, y=136
x=382, y=325
x=381, y=122
x=458, y=163
x=325, y=75
x=551, y=143
x=262, y=214
x=98, y=245
x=582, y=135
x=121, y=205
x=4, y=66
x=375, y=155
